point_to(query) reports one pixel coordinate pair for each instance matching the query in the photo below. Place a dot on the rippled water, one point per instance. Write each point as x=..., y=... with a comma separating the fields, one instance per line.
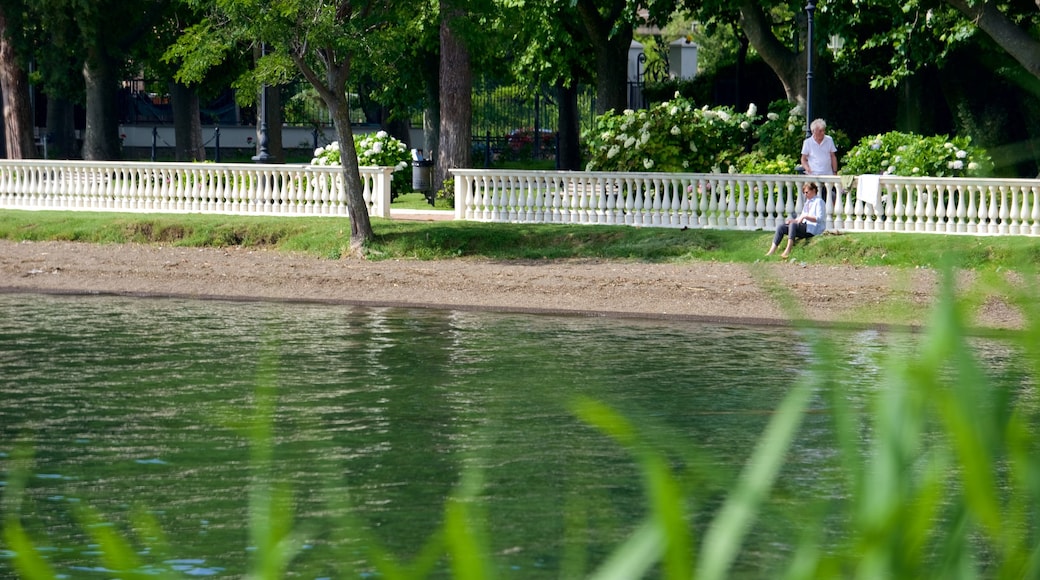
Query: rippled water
x=143, y=404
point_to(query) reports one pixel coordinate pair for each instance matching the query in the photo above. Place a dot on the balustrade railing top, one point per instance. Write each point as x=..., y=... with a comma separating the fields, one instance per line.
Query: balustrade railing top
x=229, y=188
x=749, y=202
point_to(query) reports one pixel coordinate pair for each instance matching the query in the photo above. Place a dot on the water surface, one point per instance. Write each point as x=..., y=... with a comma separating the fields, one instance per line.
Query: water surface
x=145, y=404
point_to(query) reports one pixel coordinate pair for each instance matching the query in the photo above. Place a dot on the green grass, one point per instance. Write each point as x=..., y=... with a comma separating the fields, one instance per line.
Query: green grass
x=329, y=238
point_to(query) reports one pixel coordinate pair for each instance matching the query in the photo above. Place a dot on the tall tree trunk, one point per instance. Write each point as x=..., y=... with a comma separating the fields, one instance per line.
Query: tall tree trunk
x=61, y=128
x=456, y=98
x=360, y=223
x=187, y=123
x=101, y=138
x=568, y=146
x=14, y=92
x=333, y=90
x=611, y=40
x=788, y=66
x=432, y=112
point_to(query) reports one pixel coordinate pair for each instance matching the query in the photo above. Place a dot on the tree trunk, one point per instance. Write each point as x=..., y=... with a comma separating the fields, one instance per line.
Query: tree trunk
x=14, y=92
x=187, y=124
x=432, y=113
x=61, y=128
x=568, y=150
x=360, y=224
x=101, y=138
x=788, y=66
x=611, y=40
x=456, y=98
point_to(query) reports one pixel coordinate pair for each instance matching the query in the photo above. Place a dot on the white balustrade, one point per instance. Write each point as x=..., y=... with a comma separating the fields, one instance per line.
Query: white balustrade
x=296, y=190
x=746, y=202
x=671, y=200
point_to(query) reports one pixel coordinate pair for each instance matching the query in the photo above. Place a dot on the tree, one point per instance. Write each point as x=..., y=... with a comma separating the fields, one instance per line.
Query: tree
x=108, y=43
x=609, y=30
x=14, y=87
x=789, y=65
x=1005, y=31
x=553, y=52
x=455, y=96
x=318, y=39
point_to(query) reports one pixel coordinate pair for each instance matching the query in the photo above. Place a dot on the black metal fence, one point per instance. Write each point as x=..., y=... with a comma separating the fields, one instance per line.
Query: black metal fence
x=511, y=122
x=520, y=123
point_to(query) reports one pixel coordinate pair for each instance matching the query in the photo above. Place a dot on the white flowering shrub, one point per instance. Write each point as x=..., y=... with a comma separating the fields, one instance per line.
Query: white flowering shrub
x=911, y=155
x=674, y=136
x=781, y=133
x=373, y=149
x=327, y=155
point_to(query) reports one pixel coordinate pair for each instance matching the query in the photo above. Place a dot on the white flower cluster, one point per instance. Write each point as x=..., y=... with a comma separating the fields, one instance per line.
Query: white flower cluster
x=327, y=155
x=379, y=149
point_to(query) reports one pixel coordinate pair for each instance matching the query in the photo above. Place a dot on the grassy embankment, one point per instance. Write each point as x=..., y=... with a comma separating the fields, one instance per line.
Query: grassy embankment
x=329, y=238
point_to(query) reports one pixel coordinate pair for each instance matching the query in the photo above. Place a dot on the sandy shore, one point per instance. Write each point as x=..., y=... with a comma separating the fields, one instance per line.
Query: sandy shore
x=700, y=291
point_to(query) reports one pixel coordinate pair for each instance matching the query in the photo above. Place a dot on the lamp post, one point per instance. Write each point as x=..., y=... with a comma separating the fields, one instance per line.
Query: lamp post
x=810, y=8
x=261, y=134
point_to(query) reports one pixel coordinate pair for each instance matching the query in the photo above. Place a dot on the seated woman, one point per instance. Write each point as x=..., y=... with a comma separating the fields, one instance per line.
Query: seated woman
x=811, y=222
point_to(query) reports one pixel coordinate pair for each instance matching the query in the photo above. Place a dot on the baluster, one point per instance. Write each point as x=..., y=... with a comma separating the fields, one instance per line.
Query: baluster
x=993, y=215
x=638, y=215
x=893, y=212
x=1003, y=214
x=674, y=188
x=614, y=200
x=1014, y=215
x=971, y=211
x=942, y=208
x=963, y=195
x=925, y=217
x=1035, y=214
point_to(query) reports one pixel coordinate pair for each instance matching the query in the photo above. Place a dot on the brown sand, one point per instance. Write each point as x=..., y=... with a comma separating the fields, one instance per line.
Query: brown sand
x=707, y=291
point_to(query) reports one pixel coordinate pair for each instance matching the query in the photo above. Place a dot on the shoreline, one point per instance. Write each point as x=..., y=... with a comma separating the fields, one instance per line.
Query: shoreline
x=697, y=291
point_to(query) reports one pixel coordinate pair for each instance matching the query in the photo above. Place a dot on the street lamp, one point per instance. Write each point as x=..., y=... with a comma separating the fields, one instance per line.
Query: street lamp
x=261, y=134
x=809, y=9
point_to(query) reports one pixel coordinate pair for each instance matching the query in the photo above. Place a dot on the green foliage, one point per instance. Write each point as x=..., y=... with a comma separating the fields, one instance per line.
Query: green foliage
x=911, y=155
x=781, y=132
x=674, y=136
x=757, y=163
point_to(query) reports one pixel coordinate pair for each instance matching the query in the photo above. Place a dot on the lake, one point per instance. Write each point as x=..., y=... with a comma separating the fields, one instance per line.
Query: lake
x=145, y=406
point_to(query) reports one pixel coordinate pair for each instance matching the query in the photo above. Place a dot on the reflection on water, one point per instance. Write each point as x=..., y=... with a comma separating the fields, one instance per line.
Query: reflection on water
x=140, y=403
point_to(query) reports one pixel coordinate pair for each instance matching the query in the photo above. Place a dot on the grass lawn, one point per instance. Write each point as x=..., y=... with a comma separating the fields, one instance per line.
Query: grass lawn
x=329, y=237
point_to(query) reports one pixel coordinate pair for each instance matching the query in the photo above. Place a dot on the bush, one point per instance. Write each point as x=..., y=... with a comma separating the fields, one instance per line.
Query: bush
x=911, y=155
x=673, y=136
x=758, y=163
x=781, y=132
x=373, y=149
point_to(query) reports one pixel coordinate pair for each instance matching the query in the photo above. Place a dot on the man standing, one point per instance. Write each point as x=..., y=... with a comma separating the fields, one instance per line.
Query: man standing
x=819, y=155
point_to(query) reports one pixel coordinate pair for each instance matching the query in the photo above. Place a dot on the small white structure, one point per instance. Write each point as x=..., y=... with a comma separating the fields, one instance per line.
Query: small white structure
x=682, y=59
x=636, y=62
x=636, y=72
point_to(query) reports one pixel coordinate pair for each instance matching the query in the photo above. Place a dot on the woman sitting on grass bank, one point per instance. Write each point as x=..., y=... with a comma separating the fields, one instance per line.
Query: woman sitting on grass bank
x=811, y=222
